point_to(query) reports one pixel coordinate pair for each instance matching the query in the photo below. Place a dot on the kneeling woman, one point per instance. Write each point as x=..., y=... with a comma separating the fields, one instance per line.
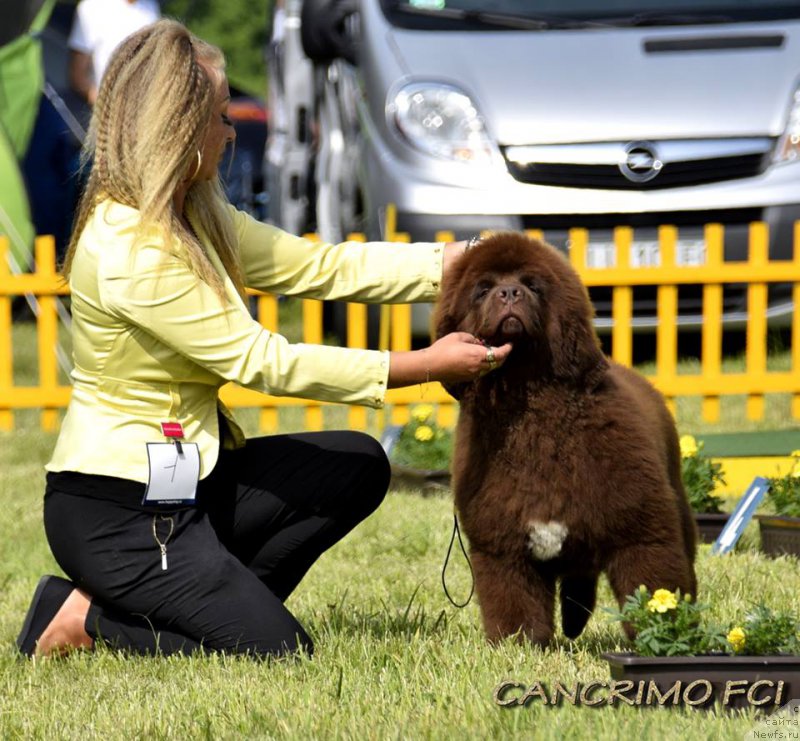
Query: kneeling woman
x=176, y=532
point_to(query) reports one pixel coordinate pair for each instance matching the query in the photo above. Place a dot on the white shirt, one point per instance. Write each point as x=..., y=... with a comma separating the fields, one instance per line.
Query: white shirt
x=100, y=25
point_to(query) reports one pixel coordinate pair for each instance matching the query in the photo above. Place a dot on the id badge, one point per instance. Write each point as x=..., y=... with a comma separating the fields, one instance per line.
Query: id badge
x=174, y=471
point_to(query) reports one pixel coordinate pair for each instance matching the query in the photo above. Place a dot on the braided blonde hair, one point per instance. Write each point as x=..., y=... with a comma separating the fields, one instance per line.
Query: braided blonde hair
x=149, y=121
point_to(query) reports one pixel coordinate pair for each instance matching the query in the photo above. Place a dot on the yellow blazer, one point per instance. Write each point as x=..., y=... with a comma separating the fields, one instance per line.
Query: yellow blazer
x=152, y=343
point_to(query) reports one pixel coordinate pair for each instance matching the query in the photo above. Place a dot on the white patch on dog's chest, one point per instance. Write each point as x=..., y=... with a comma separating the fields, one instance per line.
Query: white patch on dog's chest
x=545, y=539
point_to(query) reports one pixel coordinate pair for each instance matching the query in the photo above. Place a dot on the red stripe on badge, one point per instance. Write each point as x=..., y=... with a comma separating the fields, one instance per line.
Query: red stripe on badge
x=172, y=429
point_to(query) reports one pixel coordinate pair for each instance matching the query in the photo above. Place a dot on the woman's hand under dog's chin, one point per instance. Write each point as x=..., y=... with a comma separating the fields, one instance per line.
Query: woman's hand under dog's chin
x=454, y=358
x=511, y=329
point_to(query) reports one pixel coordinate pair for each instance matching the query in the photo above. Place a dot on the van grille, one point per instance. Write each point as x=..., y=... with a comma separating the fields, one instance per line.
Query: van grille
x=672, y=175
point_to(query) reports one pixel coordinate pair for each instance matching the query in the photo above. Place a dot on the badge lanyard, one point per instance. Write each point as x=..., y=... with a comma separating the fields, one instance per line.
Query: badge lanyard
x=173, y=469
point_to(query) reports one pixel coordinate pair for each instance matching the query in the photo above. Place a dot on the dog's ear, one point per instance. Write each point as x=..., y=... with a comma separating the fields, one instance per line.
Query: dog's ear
x=446, y=320
x=574, y=345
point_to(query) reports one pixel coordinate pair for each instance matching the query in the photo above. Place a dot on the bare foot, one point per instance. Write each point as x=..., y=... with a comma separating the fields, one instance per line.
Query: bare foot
x=66, y=630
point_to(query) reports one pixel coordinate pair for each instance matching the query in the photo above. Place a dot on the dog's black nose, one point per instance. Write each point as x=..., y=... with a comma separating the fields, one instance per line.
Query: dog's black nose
x=509, y=294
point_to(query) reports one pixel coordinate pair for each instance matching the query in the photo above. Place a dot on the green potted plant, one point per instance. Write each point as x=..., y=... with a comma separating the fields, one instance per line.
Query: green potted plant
x=701, y=476
x=683, y=658
x=780, y=532
x=420, y=451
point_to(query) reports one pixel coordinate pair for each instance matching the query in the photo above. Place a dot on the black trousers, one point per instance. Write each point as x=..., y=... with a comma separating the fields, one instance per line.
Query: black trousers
x=263, y=516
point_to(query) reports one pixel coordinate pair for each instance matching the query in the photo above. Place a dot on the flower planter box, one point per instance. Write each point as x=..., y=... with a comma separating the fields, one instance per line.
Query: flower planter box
x=709, y=526
x=779, y=535
x=735, y=682
x=428, y=481
x=744, y=455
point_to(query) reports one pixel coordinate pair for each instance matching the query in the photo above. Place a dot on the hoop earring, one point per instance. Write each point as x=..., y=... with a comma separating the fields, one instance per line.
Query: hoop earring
x=199, y=163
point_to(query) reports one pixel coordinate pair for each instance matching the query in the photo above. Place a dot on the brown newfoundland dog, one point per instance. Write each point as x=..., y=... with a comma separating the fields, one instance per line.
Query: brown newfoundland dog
x=567, y=464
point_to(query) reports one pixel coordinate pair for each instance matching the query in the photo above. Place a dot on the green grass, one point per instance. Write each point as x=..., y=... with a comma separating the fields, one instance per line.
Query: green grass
x=393, y=659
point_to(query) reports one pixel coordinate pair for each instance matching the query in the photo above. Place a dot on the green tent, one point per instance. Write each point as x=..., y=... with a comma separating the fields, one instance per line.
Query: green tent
x=21, y=81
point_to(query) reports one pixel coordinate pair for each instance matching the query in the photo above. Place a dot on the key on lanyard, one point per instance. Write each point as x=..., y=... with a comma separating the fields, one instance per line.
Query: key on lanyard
x=163, y=546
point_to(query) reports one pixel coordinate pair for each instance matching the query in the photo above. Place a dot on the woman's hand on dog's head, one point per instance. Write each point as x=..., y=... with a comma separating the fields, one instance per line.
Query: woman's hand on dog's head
x=455, y=358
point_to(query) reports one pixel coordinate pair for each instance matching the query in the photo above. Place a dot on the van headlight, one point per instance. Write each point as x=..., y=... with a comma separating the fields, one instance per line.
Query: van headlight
x=441, y=120
x=788, y=149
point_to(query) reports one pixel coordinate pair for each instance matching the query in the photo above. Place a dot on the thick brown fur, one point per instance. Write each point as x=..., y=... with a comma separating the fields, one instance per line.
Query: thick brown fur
x=558, y=434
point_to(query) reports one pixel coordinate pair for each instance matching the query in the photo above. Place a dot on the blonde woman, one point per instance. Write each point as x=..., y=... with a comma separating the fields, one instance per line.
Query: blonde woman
x=177, y=533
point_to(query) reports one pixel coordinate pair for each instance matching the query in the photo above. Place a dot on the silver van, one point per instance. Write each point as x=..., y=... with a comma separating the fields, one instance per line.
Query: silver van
x=547, y=114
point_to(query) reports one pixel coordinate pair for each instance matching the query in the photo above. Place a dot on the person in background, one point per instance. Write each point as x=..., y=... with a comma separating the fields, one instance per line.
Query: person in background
x=177, y=533
x=98, y=28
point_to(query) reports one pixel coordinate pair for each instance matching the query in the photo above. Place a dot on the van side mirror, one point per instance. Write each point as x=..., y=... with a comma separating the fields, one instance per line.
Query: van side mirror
x=327, y=30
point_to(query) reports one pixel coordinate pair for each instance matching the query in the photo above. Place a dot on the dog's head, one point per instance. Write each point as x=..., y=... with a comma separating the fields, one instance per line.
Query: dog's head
x=510, y=288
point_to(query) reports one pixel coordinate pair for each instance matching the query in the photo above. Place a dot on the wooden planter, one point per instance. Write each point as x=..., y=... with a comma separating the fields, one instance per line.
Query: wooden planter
x=709, y=526
x=780, y=535
x=734, y=682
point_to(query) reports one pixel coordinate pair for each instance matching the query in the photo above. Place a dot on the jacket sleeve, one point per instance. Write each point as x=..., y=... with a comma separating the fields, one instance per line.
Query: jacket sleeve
x=159, y=293
x=374, y=272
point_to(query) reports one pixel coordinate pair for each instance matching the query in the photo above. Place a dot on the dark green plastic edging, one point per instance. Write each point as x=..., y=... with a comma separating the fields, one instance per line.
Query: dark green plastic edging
x=746, y=444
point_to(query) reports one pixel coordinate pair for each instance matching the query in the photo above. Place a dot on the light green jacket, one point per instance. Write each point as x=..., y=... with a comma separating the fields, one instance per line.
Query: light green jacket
x=152, y=343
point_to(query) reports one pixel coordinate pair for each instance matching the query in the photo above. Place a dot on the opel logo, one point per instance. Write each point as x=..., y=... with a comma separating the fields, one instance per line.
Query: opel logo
x=641, y=162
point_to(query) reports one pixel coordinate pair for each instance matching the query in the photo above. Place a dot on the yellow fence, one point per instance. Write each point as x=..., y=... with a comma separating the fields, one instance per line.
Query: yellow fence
x=710, y=382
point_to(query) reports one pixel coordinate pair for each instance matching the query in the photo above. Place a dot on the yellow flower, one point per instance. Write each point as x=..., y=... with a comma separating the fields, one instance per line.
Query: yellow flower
x=662, y=601
x=796, y=454
x=422, y=413
x=736, y=639
x=688, y=446
x=423, y=433
x=795, y=472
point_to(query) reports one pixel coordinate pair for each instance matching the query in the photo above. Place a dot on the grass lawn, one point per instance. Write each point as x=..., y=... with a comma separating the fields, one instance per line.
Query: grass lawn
x=393, y=660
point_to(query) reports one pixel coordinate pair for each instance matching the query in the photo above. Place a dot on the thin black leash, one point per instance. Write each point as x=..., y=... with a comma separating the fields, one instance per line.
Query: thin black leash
x=457, y=532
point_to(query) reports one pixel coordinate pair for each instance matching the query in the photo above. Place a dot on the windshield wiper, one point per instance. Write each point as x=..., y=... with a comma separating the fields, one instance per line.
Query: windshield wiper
x=499, y=20
x=656, y=18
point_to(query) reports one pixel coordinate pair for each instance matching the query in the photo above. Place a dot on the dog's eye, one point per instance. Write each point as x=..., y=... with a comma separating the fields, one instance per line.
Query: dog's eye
x=531, y=284
x=481, y=290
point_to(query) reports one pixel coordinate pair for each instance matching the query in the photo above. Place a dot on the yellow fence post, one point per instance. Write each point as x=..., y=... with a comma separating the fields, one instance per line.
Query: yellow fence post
x=312, y=333
x=6, y=347
x=757, y=319
x=711, y=352
x=268, y=318
x=667, y=307
x=446, y=414
x=47, y=330
x=622, y=298
x=400, y=336
x=578, y=244
x=357, y=337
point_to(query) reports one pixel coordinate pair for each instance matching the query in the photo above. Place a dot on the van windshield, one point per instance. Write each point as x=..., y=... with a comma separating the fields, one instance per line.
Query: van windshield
x=543, y=15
